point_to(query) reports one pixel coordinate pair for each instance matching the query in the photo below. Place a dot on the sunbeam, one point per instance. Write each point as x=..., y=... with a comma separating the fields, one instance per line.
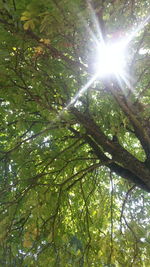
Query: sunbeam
x=137, y=30
x=126, y=79
x=99, y=36
x=110, y=57
x=82, y=90
x=123, y=75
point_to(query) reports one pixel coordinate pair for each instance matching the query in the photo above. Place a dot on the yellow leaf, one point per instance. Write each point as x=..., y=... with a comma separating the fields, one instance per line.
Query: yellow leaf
x=26, y=26
x=29, y=25
x=23, y=18
x=38, y=49
x=32, y=26
x=26, y=13
x=27, y=243
x=45, y=41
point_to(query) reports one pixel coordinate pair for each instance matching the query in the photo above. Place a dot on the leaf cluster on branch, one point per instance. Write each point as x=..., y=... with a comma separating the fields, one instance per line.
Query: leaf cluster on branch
x=74, y=154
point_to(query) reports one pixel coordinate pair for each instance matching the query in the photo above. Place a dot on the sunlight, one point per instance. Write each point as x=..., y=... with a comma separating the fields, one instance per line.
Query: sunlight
x=110, y=58
x=82, y=90
x=138, y=28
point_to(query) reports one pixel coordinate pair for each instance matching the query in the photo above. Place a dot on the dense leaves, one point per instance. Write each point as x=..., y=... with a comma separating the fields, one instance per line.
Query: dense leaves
x=75, y=169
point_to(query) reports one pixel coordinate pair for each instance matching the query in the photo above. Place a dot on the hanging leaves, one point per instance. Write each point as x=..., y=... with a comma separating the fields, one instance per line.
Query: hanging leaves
x=74, y=163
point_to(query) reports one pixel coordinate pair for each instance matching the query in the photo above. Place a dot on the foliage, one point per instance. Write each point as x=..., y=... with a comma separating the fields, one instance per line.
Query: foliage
x=75, y=177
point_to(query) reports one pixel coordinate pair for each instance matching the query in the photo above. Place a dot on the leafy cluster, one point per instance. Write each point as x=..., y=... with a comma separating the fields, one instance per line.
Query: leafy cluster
x=75, y=176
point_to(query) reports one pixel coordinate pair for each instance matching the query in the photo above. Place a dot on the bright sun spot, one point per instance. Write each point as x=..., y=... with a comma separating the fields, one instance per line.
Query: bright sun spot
x=110, y=58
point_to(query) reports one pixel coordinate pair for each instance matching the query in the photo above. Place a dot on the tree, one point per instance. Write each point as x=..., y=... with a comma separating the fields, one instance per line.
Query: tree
x=75, y=147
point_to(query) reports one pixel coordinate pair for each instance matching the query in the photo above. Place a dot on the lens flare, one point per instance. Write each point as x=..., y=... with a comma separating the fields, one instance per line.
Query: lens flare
x=81, y=91
x=110, y=58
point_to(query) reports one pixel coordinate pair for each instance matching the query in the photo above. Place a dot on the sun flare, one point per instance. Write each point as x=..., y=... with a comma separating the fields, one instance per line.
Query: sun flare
x=110, y=58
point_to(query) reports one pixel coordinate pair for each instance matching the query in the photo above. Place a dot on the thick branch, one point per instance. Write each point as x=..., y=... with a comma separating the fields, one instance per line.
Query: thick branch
x=119, y=154
x=114, y=167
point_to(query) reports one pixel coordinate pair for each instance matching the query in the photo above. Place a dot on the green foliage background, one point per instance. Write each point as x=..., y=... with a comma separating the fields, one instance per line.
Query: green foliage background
x=61, y=205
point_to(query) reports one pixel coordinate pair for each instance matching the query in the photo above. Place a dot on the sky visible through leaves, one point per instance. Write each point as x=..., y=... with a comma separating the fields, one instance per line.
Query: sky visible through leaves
x=74, y=133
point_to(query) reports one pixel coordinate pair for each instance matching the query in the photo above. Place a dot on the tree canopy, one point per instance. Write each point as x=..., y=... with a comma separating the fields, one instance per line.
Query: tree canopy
x=74, y=138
